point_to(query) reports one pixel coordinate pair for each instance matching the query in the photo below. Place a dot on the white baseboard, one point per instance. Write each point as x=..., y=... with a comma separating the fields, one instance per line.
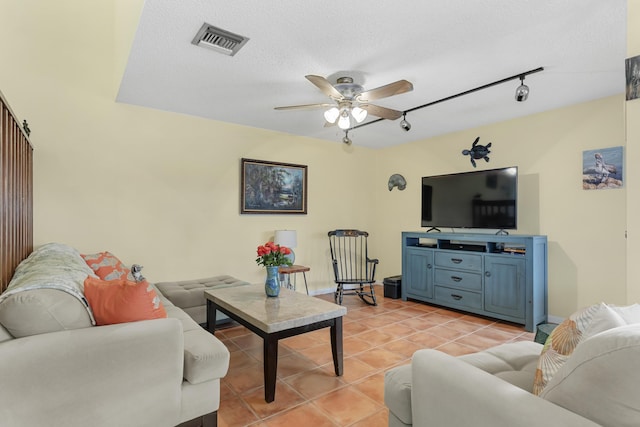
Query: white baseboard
x=331, y=290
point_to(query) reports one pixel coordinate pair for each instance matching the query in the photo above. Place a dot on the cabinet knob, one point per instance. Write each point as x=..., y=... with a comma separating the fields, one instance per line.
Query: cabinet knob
x=487, y=274
x=456, y=297
x=456, y=260
x=429, y=266
x=456, y=278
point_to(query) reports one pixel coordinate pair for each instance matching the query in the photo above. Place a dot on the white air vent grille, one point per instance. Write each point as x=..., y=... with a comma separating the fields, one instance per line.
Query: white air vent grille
x=219, y=40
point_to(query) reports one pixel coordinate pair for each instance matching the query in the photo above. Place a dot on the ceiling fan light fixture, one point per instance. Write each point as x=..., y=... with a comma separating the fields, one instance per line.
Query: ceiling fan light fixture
x=522, y=92
x=359, y=114
x=344, y=122
x=331, y=115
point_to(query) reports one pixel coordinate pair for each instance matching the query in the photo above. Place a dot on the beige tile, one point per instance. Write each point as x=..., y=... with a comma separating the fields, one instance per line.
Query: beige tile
x=299, y=342
x=426, y=339
x=447, y=332
x=379, y=419
x=314, y=383
x=354, y=370
x=355, y=345
x=397, y=330
x=245, y=378
x=248, y=341
x=373, y=388
x=302, y=415
x=379, y=358
x=403, y=346
x=293, y=364
x=320, y=354
x=234, y=412
x=456, y=349
x=285, y=398
x=346, y=406
x=375, y=339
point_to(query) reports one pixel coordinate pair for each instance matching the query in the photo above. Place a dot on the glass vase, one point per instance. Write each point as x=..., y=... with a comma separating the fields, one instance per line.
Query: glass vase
x=272, y=282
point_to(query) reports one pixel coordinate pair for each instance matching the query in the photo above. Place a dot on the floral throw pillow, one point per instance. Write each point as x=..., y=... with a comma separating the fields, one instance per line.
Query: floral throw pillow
x=566, y=336
x=121, y=301
x=106, y=265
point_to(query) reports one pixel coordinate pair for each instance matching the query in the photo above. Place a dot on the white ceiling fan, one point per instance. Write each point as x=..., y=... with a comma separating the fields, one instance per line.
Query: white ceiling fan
x=351, y=101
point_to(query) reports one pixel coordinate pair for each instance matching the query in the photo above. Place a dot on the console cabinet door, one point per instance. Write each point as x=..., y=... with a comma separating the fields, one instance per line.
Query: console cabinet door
x=504, y=286
x=418, y=278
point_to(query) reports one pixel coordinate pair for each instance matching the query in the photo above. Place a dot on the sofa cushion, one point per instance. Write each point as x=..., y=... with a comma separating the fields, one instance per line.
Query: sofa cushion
x=189, y=294
x=599, y=380
x=563, y=340
x=513, y=362
x=205, y=357
x=46, y=293
x=121, y=301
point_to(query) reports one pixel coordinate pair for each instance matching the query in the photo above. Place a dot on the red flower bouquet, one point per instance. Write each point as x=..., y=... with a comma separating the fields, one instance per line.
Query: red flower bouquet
x=272, y=255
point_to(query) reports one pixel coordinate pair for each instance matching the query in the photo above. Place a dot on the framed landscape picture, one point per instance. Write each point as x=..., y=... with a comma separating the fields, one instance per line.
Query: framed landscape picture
x=272, y=188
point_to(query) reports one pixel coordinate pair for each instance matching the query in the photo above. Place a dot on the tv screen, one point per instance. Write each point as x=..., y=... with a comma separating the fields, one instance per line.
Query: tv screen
x=478, y=199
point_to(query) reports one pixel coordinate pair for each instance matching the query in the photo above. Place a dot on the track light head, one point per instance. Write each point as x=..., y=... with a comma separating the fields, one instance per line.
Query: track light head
x=404, y=124
x=522, y=92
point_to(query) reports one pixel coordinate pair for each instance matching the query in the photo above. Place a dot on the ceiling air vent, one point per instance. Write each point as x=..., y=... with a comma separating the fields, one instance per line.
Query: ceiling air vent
x=219, y=40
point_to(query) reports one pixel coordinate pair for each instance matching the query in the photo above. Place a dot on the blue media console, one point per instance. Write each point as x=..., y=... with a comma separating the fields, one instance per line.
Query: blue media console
x=498, y=276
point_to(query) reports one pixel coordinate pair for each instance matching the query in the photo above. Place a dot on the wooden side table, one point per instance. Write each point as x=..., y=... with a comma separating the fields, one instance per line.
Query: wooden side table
x=293, y=269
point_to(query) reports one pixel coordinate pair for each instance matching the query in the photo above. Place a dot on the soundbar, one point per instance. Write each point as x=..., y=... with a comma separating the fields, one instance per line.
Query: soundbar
x=462, y=246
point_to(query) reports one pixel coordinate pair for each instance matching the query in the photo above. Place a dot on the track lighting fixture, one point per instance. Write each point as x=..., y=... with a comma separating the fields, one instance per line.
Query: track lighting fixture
x=346, y=139
x=522, y=92
x=404, y=124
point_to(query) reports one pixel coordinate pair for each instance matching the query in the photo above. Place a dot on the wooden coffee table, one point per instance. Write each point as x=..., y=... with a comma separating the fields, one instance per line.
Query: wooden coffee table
x=290, y=314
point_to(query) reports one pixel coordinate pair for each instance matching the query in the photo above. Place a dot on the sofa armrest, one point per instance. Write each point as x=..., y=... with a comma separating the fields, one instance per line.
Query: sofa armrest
x=128, y=374
x=449, y=391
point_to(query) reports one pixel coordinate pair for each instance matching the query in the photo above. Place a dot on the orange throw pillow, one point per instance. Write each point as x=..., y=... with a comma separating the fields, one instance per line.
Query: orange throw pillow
x=121, y=301
x=106, y=265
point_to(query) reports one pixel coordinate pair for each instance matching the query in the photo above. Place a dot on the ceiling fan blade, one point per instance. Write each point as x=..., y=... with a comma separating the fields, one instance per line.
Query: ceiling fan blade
x=324, y=85
x=385, y=113
x=396, y=88
x=305, y=106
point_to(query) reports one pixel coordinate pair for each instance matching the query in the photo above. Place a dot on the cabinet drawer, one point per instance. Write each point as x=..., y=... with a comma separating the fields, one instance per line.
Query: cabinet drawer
x=458, y=298
x=458, y=279
x=458, y=260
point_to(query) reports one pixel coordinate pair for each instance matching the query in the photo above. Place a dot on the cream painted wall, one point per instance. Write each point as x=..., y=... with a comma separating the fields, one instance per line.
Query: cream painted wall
x=161, y=189
x=585, y=228
x=155, y=188
x=632, y=114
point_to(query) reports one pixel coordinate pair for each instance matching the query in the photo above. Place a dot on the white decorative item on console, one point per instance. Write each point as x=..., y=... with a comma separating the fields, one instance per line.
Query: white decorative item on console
x=288, y=238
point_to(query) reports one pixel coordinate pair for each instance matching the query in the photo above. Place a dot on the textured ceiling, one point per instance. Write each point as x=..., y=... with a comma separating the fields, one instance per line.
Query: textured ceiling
x=443, y=48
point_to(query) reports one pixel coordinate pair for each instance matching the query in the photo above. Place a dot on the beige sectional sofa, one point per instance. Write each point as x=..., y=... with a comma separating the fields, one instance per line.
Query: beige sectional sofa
x=58, y=369
x=596, y=385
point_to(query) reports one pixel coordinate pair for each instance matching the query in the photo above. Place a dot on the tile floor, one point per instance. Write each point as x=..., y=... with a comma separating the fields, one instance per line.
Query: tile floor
x=375, y=340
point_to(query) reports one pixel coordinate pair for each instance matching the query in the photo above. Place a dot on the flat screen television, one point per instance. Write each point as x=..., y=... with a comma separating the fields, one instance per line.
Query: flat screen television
x=477, y=199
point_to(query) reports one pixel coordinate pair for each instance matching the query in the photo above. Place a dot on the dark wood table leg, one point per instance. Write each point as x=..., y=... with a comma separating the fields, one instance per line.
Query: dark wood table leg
x=270, y=356
x=336, y=345
x=211, y=316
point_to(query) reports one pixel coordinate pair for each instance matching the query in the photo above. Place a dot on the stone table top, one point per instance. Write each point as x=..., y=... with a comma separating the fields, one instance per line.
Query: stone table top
x=289, y=310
